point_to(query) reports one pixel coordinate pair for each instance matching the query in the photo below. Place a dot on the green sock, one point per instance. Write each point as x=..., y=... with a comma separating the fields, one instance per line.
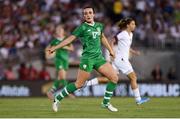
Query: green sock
x=109, y=92
x=56, y=85
x=70, y=88
x=63, y=82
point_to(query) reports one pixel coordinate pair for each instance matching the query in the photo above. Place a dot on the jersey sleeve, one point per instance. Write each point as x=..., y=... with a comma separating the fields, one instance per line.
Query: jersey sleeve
x=52, y=43
x=102, y=28
x=77, y=32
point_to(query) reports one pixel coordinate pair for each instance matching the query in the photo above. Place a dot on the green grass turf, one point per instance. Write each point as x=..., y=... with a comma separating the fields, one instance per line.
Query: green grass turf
x=88, y=107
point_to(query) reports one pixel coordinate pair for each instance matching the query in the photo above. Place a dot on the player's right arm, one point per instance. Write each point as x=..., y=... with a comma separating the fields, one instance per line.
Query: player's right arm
x=135, y=52
x=65, y=42
x=76, y=33
x=69, y=47
x=48, y=54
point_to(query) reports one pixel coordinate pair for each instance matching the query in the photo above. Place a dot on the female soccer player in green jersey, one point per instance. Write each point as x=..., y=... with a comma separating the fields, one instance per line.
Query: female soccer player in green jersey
x=91, y=35
x=121, y=63
x=61, y=60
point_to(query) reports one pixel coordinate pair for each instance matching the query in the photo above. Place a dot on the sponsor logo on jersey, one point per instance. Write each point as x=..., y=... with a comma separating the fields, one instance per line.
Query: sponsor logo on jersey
x=60, y=67
x=84, y=66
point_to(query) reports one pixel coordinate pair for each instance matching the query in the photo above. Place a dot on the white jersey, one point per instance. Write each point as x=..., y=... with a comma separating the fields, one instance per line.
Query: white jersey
x=124, y=43
x=121, y=61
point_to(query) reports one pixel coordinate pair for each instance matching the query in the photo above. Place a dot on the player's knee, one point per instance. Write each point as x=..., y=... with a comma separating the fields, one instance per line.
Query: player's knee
x=134, y=77
x=114, y=78
x=79, y=85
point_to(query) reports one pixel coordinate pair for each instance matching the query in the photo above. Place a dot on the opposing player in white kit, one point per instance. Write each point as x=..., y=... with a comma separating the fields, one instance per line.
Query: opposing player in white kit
x=121, y=61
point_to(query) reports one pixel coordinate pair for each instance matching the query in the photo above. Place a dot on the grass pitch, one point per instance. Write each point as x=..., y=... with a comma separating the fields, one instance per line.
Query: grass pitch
x=88, y=108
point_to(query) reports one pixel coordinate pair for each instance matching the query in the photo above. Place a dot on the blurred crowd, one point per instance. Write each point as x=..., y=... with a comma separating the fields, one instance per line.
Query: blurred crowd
x=24, y=72
x=158, y=75
x=26, y=25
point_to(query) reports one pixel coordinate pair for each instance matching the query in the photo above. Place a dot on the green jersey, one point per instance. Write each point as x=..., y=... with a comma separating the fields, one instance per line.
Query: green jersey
x=61, y=54
x=90, y=37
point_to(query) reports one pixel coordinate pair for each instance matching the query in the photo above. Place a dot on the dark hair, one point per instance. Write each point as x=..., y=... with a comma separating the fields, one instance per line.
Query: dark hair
x=89, y=7
x=124, y=22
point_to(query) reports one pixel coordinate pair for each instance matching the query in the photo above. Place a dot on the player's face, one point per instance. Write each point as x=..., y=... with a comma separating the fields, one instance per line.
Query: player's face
x=88, y=15
x=60, y=31
x=132, y=26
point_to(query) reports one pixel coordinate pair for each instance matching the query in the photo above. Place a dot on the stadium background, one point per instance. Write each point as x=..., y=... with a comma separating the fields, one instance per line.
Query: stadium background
x=26, y=28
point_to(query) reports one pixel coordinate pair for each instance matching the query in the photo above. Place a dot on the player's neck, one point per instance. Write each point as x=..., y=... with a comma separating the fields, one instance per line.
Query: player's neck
x=129, y=31
x=59, y=36
x=90, y=23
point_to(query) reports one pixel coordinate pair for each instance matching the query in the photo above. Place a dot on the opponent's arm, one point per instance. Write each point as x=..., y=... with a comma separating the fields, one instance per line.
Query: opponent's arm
x=135, y=52
x=112, y=42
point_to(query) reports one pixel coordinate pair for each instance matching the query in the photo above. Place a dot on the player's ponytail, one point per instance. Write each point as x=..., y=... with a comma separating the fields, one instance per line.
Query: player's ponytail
x=124, y=22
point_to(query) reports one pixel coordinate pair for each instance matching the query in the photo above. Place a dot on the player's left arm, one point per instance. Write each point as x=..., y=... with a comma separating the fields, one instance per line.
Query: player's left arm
x=134, y=52
x=107, y=45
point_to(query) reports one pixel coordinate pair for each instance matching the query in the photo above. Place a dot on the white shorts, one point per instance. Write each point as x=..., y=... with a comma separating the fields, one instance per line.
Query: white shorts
x=123, y=65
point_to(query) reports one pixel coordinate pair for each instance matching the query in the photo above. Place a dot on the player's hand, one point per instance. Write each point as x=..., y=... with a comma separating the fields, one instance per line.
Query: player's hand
x=52, y=49
x=48, y=53
x=138, y=53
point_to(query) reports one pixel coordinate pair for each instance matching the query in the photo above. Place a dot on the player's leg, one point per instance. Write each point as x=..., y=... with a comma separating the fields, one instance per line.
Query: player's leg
x=82, y=76
x=57, y=82
x=61, y=67
x=70, y=88
x=65, y=65
x=133, y=80
x=126, y=68
x=108, y=71
x=62, y=77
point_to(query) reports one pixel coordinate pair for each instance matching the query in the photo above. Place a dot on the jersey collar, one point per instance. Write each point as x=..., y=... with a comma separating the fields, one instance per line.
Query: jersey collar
x=128, y=33
x=90, y=24
x=58, y=38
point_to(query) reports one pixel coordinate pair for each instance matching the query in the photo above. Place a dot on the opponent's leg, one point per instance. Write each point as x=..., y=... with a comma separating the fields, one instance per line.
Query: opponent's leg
x=133, y=80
